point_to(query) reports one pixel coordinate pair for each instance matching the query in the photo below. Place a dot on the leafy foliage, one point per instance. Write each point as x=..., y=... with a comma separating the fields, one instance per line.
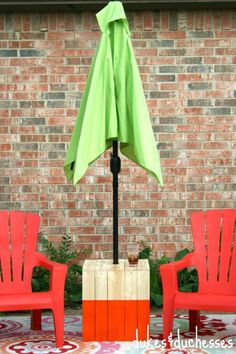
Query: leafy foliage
x=187, y=278
x=62, y=253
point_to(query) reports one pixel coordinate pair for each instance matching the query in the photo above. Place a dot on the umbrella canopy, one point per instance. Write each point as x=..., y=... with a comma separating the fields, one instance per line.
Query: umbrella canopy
x=113, y=105
x=113, y=109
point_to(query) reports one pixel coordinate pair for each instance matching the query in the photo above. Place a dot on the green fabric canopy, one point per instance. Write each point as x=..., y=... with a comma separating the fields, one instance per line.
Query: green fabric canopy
x=113, y=105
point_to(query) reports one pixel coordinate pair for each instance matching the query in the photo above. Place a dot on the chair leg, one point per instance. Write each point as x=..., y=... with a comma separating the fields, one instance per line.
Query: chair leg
x=36, y=316
x=168, y=318
x=58, y=316
x=194, y=320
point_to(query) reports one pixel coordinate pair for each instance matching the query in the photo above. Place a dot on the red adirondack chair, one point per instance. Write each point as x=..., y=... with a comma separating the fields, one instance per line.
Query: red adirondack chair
x=18, y=257
x=214, y=256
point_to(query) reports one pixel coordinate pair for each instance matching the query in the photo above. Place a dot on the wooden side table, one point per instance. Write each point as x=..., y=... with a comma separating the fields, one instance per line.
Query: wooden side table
x=116, y=300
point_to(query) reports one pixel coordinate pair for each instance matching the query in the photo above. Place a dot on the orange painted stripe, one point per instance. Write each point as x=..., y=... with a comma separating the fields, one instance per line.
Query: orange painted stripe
x=116, y=320
x=131, y=319
x=143, y=318
x=88, y=320
x=101, y=308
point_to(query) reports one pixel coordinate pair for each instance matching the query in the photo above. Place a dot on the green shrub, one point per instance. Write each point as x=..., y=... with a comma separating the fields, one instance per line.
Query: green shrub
x=187, y=278
x=62, y=253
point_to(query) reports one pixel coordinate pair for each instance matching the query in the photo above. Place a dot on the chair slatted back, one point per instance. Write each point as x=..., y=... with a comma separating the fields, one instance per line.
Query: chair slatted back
x=214, y=235
x=18, y=237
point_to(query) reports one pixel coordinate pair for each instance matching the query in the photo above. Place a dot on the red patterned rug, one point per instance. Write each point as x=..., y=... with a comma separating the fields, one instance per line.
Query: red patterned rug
x=217, y=335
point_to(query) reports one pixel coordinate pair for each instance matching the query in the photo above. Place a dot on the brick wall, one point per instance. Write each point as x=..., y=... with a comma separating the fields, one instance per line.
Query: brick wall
x=187, y=64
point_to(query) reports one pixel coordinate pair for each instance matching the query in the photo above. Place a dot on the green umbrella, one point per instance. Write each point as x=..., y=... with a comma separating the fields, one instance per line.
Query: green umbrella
x=113, y=108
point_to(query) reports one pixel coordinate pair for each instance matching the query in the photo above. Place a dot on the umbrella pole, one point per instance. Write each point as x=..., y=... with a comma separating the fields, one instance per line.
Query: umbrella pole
x=115, y=169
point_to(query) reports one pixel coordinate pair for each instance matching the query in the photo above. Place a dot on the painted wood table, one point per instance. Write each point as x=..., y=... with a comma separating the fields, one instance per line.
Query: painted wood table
x=116, y=300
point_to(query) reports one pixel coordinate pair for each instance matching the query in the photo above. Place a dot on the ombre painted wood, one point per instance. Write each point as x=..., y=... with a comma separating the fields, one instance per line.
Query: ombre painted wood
x=116, y=303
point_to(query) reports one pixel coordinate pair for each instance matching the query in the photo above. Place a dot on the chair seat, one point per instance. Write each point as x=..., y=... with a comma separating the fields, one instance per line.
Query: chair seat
x=211, y=302
x=27, y=301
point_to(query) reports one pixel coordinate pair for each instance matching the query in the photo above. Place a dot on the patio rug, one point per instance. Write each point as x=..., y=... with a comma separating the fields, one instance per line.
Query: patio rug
x=217, y=335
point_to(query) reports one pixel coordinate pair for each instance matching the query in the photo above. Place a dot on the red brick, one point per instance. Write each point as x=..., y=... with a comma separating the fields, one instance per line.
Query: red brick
x=5, y=147
x=86, y=21
x=233, y=19
x=26, y=23
x=2, y=23
x=70, y=22
x=173, y=35
x=225, y=34
x=217, y=43
x=138, y=21
x=207, y=20
x=148, y=22
x=44, y=22
x=164, y=20
x=184, y=43
x=226, y=20
x=60, y=36
x=217, y=20
x=57, y=44
x=190, y=21
x=199, y=20
x=52, y=22
x=218, y=60
x=61, y=21
x=87, y=35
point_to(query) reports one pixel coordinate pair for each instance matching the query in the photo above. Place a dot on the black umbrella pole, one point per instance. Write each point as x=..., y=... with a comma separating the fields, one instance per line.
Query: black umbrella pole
x=115, y=169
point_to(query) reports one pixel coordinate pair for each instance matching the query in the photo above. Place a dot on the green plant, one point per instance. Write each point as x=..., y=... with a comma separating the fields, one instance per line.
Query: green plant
x=62, y=253
x=187, y=278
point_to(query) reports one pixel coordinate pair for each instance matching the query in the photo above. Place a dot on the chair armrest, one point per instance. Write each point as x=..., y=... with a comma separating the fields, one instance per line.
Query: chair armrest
x=43, y=261
x=169, y=271
x=186, y=261
x=57, y=271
